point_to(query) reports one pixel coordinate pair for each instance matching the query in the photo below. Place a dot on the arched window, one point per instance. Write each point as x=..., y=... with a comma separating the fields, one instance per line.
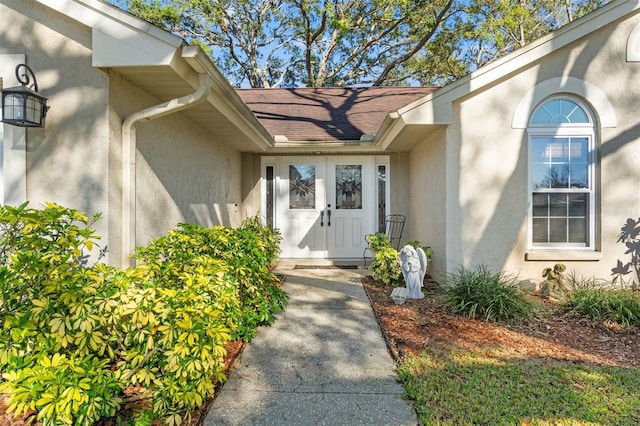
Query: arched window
x=562, y=175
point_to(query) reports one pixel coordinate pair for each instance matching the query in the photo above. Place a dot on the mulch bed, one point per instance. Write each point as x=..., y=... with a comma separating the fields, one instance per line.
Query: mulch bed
x=555, y=335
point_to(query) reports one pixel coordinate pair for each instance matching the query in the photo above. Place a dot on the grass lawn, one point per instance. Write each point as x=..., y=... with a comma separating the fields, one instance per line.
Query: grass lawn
x=557, y=367
x=462, y=387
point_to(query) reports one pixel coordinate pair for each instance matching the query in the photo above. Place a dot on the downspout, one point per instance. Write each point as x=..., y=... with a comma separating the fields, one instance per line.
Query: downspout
x=129, y=148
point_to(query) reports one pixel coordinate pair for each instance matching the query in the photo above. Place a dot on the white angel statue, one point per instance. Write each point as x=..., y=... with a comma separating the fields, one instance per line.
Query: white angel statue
x=414, y=268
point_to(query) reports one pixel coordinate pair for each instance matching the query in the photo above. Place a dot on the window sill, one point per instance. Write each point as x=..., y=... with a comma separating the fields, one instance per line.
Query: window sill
x=563, y=255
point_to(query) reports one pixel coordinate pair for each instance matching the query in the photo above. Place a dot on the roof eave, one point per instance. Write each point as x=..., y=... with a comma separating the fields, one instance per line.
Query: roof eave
x=122, y=41
x=435, y=109
x=233, y=106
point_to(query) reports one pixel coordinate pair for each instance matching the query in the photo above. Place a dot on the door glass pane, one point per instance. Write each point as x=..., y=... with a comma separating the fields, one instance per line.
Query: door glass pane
x=349, y=187
x=270, y=196
x=302, y=186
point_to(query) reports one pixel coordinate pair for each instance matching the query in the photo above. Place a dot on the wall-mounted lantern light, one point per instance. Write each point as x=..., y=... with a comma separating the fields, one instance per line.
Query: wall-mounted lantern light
x=21, y=105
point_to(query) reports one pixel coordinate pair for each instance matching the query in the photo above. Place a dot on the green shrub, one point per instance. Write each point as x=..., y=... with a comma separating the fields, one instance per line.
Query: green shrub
x=601, y=304
x=377, y=241
x=385, y=267
x=248, y=251
x=481, y=293
x=74, y=336
x=56, y=342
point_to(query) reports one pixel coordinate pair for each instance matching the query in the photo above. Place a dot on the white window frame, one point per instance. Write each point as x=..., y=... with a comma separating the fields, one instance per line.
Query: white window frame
x=565, y=130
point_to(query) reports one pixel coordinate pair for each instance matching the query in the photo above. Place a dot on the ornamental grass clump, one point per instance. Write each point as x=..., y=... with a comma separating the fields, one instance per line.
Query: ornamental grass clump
x=484, y=294
x=606, y=304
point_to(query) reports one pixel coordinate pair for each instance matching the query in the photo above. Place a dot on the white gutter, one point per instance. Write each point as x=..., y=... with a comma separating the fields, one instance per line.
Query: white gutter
x=129, y=149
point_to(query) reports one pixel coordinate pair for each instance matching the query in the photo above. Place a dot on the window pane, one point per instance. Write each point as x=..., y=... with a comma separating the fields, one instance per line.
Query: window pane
x=558, y=176
x=579, y=151
x=540, y=205
x=559, y=111
x=563, y=217
x=382, y=197
x=270, y=195
x=540, y=176
x=558, y=205
x=302, y=186
x=579, y=176
x=557, y=230
x=578, y=205
x=566, y=221
x=578, y=115
x=557, y=150
x=577, y=230
x=539, y=150
x=540, y=232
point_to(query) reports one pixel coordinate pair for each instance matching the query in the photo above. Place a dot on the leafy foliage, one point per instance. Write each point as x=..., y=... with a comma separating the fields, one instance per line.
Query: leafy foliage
x=248, y=253
x=385, y=267
x=56, y=342
x=481, y=293
x=602, y=304
x=74, y=336
x=289, y=43
x=377, y=241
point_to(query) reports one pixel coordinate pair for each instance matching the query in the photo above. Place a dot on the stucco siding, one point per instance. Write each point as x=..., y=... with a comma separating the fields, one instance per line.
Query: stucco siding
x=400, y=194
x=428, y=197
x=183, y=173
x=67, y=161
x=251, y=186
x=493, y=158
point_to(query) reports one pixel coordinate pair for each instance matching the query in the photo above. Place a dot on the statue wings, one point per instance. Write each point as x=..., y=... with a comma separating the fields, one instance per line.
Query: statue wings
x=423, y=264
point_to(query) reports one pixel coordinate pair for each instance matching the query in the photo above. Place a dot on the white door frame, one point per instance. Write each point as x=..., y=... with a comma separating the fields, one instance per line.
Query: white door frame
x=315, y=244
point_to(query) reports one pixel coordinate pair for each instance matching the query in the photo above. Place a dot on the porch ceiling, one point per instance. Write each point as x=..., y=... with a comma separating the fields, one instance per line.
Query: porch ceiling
x=410, y=136
x=217, y=115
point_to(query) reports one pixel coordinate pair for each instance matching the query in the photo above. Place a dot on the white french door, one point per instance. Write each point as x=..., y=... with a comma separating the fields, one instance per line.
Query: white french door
x=324, y=206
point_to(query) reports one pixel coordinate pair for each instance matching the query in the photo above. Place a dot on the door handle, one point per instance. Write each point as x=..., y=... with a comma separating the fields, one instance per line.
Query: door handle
x=321, y=217
x=328, y=217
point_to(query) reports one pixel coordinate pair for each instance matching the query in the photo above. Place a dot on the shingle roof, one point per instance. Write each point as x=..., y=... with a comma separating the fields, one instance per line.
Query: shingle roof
x=327, y=114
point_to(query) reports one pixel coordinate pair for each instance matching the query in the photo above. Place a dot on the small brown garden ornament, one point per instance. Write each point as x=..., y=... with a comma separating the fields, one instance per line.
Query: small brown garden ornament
x=554, y=286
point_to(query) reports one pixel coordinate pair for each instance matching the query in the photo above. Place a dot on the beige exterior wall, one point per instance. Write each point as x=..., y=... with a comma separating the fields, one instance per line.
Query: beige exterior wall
x=251, y=179
x=399, y=200
x=487, y=161
x=67, y=161
x=183, y=173
x=427, y=168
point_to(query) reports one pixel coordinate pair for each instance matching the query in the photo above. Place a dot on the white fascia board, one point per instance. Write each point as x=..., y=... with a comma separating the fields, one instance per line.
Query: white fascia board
x=436, y=107
x=119, y=38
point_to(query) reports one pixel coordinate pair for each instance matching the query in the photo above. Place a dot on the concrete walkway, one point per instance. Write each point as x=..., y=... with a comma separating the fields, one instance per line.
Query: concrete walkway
x=323, y=362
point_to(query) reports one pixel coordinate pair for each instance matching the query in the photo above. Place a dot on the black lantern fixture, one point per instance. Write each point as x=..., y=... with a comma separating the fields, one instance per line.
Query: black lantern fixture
x=23, y=106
